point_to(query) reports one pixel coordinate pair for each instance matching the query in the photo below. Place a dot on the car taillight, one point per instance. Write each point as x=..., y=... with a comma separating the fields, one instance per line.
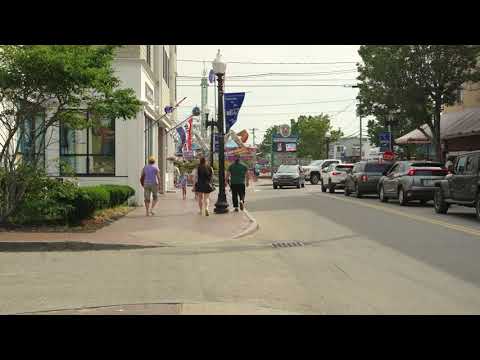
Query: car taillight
x=364, y=178
x=336, y=173
x=411, y=172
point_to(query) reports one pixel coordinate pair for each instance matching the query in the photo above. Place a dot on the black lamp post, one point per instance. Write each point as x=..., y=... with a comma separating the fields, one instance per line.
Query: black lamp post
x=221, y=206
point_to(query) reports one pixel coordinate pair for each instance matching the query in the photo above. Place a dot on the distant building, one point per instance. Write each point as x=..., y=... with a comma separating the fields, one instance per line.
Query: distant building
x=348, y=149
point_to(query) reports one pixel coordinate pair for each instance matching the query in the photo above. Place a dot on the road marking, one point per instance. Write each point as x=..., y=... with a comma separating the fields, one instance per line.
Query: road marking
x=461, y=228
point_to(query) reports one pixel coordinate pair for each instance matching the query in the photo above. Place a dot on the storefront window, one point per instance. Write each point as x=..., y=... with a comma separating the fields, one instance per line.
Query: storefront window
x=89, y=151
x=31, y=137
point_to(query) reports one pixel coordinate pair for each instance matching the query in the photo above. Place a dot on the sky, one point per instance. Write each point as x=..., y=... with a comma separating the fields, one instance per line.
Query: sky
x=337, y=101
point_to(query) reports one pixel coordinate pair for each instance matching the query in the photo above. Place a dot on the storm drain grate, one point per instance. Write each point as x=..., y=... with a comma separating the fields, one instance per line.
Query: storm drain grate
x=287, y=244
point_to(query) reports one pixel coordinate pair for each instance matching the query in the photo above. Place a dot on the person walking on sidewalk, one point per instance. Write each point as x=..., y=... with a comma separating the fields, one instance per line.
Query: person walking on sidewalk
x=204, y=187
x=183, y=184
x=150, y=180
x=237, y=176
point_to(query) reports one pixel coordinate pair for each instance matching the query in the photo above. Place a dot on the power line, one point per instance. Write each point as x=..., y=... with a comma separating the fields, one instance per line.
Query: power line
x=340, y=71
x=274, y=85
x=289, y=104
x=273, y=80
x=273, y=63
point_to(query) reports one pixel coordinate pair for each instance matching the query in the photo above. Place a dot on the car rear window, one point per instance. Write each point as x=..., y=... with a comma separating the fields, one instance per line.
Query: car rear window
x=426, y=164
x=343, y=168
x=430, y=172
x=377, y=167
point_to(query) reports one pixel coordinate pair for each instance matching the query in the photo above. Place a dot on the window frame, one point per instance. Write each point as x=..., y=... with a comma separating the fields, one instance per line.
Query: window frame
x=33, y=127
x=148, y=55
x=88, y=154
x=457, y=172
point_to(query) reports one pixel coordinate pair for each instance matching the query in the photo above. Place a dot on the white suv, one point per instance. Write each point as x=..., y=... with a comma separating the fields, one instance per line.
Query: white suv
x=314, y=169
x=334, y=176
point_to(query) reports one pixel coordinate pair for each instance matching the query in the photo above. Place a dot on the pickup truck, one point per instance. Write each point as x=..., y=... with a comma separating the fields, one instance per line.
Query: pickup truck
x=461, y=186
x=313, y=170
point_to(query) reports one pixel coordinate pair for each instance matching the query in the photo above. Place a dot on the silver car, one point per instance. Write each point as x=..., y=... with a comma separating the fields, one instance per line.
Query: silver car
x=411, y=180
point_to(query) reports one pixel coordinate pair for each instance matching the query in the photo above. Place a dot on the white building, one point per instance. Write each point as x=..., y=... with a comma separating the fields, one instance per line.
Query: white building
x=117, y=152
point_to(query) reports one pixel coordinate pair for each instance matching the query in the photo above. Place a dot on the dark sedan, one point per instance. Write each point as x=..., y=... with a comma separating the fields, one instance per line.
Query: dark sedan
x=289, y=175
x=364, y=177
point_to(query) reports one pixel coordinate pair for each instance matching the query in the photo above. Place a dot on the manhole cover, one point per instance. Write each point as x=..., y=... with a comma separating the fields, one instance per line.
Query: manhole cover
x=287, y=244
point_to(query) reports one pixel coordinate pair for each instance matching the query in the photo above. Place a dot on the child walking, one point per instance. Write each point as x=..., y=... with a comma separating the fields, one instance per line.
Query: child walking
x=183, y=184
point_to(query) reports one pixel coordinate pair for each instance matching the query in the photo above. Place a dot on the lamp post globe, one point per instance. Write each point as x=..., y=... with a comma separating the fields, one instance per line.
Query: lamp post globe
x=219, y=68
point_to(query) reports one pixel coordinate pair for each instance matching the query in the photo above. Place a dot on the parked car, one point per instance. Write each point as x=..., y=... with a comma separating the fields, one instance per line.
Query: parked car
x=334, y=176
x=289, y=175
x=461, y=186
x=364, y=177
x=313, y=171
x=411, y=180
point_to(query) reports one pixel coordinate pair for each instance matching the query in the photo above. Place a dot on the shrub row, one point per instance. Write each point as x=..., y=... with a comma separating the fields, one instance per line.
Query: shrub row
x=63, y=202
x=98, y=197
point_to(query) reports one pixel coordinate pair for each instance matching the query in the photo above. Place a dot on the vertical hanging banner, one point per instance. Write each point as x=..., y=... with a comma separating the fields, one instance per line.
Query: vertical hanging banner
x=233, y=103
x=189, y=133
x=181, y=133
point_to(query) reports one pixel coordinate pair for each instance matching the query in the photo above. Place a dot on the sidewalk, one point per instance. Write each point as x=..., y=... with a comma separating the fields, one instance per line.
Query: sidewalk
x=176, y=222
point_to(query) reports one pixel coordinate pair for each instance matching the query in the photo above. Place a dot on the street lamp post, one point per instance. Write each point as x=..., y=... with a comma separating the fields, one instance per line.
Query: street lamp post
x=221, y=206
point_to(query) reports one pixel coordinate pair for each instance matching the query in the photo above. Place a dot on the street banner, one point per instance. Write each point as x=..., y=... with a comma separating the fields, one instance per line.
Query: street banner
x=189, y=133
x=384, y=138
x=182, y=134
x=233, y=103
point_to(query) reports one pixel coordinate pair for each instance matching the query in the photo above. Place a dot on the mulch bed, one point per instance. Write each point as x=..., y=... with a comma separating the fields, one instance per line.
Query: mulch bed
x=101, y=219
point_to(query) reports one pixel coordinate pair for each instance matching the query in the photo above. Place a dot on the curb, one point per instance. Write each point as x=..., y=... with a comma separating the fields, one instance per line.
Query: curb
x=250, y=229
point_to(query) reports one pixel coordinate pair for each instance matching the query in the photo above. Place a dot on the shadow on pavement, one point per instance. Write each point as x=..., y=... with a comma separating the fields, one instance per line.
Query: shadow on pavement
x=64, y=246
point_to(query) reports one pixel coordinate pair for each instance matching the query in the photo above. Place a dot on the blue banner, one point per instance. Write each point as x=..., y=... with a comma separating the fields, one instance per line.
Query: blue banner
x=181, y=133
x=233, y=103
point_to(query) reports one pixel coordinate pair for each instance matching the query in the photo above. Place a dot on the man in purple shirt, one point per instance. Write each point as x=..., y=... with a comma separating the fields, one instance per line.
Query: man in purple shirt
x=151, y=184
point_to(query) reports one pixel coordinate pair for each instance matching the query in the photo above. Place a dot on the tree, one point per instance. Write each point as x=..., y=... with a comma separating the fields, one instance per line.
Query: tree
x=265, y=148
x=415, y=82
x=51, y=82
x=312, y=132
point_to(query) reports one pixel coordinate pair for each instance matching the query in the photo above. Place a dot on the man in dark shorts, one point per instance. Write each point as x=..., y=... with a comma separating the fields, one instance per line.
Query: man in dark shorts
x=237, y=176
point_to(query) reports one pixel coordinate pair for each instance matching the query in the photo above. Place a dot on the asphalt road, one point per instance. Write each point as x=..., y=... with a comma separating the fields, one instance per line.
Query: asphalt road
x=346, y=256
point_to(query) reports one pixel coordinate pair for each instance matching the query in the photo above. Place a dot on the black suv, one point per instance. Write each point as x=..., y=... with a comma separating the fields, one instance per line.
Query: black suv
x=461, y=186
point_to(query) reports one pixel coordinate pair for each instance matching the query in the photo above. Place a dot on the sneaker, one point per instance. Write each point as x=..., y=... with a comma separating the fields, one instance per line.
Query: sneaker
x=236, y=209
x=206, y=212
x=242, y=206
x=152, y=212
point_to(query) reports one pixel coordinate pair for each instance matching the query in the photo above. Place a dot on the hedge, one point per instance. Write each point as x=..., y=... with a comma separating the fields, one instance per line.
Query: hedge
x=98, y=197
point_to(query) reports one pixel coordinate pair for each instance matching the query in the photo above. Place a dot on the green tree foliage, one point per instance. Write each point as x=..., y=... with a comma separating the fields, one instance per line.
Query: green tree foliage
x=415, y=82
x=314, y=132
x=53, y=81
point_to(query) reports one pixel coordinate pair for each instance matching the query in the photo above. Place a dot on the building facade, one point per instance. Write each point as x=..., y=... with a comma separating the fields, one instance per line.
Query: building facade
x=117, y=151
x=348, y=149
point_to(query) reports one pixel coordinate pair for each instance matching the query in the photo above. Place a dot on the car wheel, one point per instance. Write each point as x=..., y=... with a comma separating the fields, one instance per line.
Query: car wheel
x=346, y=191
x=358, y=194
x=381, y=195
x=441, y=207
x=275, y=187
x=401, y=197
x=314, y=179
x=324, y=189
x=423, y=202
x=331, y=187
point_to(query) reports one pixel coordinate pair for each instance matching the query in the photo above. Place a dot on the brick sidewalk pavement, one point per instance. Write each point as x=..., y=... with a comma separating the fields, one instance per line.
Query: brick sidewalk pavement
x=176, y=222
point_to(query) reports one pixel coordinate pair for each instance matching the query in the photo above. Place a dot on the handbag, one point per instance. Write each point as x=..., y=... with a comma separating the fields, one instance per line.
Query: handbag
x=142, y=179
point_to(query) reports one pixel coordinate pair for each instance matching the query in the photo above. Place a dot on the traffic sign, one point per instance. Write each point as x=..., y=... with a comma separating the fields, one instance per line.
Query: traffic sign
x=388, y=156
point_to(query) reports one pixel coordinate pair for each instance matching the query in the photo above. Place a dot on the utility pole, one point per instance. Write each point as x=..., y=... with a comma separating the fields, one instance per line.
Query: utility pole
x=360, y=138
x=253, y=135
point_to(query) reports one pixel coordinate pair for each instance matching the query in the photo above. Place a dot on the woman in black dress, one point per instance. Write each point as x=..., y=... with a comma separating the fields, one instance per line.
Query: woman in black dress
x=204, y=185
